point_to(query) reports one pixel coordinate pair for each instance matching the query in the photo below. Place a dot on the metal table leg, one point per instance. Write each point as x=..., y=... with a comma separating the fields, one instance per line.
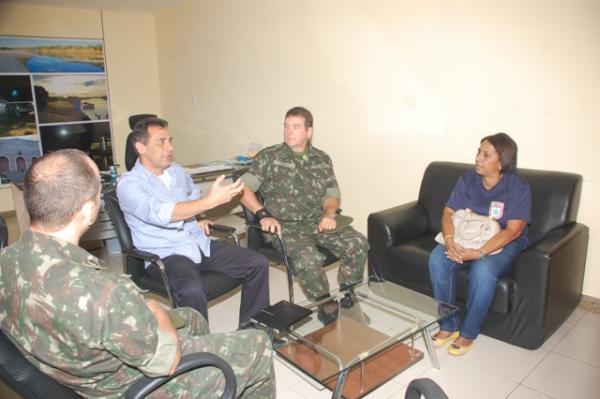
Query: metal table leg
x=339, y=386
x=430, y=348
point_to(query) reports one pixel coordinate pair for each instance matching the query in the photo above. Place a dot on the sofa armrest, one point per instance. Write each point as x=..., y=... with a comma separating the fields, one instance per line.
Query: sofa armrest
x=396, y=225
x=549, y=279
x=535, y=260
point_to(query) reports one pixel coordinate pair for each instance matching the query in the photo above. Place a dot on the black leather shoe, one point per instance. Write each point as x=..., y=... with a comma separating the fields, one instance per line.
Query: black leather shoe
x=348, y=300
x=328, y=312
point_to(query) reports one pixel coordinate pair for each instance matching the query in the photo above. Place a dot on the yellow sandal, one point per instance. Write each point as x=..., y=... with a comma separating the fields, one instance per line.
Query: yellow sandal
x=439, y=342
x=456, y=350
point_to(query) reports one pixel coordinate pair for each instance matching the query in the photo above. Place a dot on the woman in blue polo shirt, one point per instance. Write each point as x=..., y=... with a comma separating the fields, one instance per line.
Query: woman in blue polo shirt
x=492, y=189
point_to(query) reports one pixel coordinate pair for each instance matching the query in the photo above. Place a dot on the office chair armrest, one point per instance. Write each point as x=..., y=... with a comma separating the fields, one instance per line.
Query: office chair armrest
x=254, y=225
x=146, y=385
x=284, y=253
x=225, y=231
x=152, y=258
x=221, y=228
x=143, y=255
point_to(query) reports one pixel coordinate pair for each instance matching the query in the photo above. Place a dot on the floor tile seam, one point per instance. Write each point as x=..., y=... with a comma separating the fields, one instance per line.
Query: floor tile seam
x=513, y=391
x=496, y=373
x=560, y=340
x=548, y=352
x=596, y=330
x=535, y=390
x=577, y=360
x=419, y=375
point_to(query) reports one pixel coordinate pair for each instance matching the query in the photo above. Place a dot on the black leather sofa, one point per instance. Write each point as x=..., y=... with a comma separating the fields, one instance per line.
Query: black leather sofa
x=545, y=287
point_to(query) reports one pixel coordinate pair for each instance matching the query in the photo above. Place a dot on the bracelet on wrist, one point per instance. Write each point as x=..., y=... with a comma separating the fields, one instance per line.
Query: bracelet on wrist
x=448, y=236
x=263, y=213
x=481, y=254
x=331, y=214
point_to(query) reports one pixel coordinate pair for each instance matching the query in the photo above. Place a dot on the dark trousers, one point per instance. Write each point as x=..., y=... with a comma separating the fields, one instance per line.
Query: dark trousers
x=186, y=281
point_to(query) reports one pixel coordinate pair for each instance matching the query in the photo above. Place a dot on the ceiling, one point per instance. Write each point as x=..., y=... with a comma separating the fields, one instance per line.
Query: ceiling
x=123, y=5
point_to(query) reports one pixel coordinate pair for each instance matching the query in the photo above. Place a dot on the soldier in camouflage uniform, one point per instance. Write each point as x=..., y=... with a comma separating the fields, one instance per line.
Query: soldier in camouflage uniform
x=92, y=330
x=301, y=197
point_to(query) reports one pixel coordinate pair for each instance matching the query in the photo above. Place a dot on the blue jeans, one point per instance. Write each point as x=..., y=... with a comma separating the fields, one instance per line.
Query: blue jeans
x=483, y=276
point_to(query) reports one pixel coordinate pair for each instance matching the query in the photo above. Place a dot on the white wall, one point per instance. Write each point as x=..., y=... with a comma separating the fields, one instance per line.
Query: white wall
x=393, y=85
x=130, y=51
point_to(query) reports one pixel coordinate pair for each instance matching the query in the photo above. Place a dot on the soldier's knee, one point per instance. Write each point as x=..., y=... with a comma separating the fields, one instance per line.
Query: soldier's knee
x=309, y=259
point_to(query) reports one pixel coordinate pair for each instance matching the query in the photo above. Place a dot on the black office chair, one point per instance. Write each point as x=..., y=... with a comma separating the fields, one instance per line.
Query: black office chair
x=216, y=283
x=256, y=241
x=424, y=387
x=29, y=382
x=130, y=155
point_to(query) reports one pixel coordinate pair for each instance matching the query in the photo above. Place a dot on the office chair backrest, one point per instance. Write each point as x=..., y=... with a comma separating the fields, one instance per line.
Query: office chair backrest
x=111, y=202
x=134, y=267
x=424, y=387
x=3, y=233
x=130, y=155
x=24, y=378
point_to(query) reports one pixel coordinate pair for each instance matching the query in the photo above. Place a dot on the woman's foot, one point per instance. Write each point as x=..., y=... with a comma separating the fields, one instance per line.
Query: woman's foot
x=442, y=337
x=461, y=346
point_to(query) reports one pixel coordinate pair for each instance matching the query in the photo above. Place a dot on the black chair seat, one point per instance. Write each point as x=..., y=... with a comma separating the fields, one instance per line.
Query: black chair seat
x=256, y=241
x=216, y=283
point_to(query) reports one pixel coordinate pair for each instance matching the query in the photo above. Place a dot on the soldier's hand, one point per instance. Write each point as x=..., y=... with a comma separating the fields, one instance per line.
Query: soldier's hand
x=223, y=193
x=270, y=225
x=327, y=223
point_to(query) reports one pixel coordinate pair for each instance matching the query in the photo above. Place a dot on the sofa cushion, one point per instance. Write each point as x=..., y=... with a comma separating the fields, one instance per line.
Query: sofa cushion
x=413, y=255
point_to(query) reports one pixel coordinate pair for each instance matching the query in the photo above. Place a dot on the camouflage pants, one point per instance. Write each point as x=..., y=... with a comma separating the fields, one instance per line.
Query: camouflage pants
x=301, y=240
x=248, y=352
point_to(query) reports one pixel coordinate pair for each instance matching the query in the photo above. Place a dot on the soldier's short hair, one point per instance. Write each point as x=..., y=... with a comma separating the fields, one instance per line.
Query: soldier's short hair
x=57, y=185
x=140, y=130
x=303, y=112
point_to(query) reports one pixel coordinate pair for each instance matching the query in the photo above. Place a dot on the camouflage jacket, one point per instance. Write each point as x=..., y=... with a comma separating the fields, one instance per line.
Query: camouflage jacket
x=293, y=185
x=83, y=326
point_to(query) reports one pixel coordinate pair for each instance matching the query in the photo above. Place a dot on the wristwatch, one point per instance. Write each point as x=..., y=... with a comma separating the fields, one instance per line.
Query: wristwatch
x=481, y=254
x=331, y=214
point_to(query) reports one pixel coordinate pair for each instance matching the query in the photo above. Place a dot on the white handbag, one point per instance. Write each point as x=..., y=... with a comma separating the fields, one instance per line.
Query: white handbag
x=472, y=230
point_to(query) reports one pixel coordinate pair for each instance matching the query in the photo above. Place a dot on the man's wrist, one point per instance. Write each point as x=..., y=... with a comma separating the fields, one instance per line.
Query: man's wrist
x=330, y=214
x=263, y=213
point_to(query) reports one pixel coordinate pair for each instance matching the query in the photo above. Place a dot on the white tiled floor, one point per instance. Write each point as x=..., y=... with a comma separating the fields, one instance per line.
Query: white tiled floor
x=566, y=366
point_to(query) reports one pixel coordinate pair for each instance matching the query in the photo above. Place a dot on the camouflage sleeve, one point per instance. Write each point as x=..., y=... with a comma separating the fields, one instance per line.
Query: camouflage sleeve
x=333, y=190
x=257, y=172
x=130, y=332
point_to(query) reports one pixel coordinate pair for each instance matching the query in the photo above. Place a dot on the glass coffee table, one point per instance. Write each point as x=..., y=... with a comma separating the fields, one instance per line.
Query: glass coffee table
x=368, y=342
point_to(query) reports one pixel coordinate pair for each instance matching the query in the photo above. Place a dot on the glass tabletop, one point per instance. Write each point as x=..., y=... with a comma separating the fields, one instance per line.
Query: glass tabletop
x=371, y=318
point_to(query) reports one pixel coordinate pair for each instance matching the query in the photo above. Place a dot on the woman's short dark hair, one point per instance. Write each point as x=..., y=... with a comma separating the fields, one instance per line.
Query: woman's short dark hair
x=303, y=112
x=506, y=148
x=57, y=185
x=140, y=130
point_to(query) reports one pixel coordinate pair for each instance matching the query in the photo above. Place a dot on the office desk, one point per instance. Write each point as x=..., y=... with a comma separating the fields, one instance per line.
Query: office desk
x=210, y=171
